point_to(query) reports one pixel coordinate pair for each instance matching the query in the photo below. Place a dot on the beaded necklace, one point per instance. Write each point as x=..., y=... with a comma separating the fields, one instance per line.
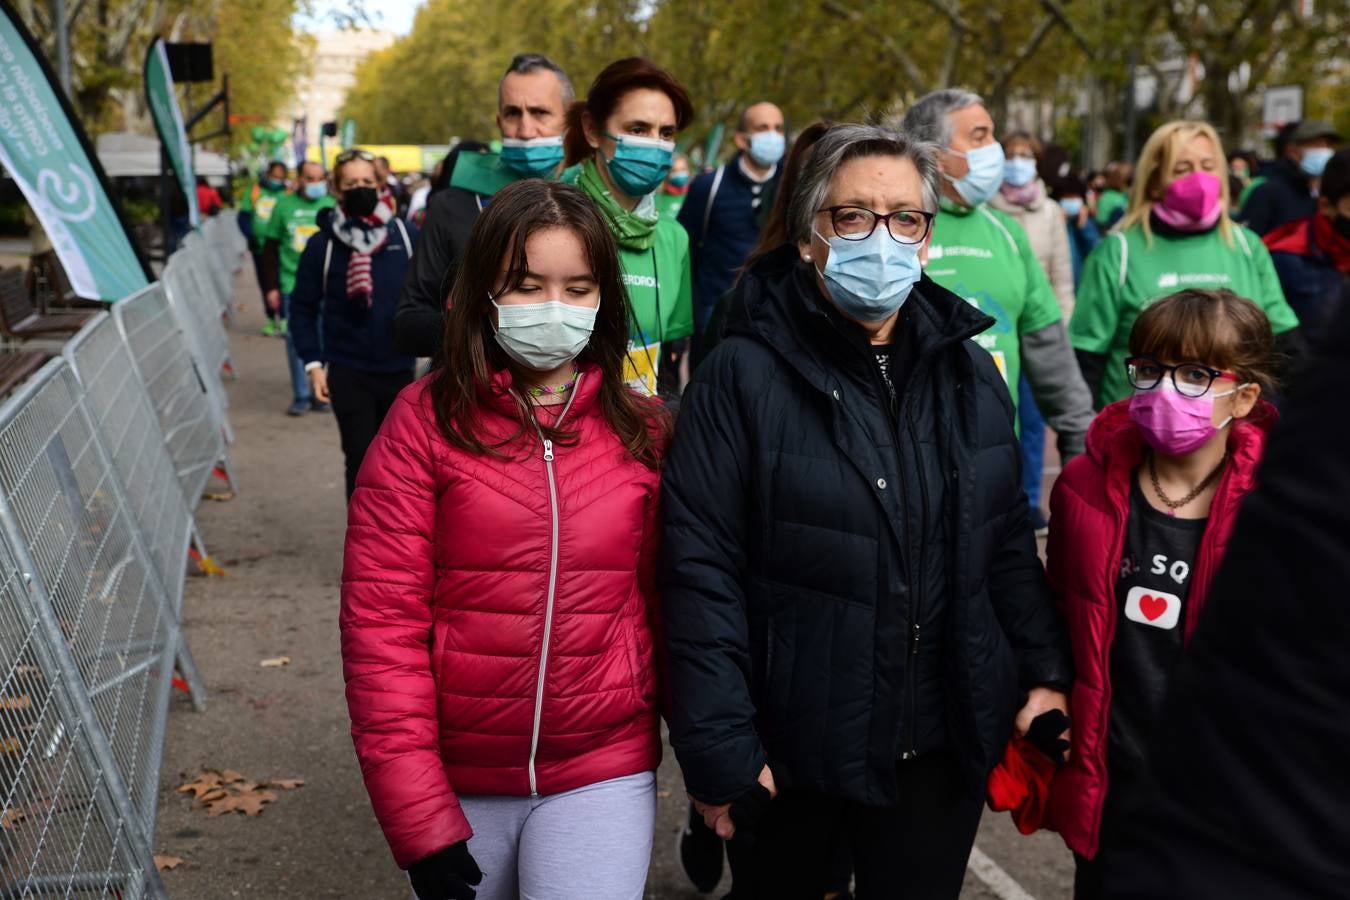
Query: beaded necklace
x=545, y=391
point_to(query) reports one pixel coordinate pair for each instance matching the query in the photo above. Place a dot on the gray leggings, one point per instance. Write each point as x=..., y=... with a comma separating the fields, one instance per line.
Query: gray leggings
x=588, y=843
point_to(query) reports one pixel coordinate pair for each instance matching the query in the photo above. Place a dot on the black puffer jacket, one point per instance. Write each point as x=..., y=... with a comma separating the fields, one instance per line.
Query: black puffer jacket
x=803, y=540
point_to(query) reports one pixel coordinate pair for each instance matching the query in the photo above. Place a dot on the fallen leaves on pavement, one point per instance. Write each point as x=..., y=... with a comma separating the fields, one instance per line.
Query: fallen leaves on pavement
x=9, y=818
x=227, y=791
x=167, y=862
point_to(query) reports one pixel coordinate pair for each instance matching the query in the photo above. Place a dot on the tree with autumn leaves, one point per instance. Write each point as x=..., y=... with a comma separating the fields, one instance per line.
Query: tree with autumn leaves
x=849, y=59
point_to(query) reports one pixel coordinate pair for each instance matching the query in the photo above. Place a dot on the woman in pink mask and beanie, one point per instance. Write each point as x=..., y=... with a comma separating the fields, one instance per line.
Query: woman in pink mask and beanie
x=1138, y=525
x=1176, y=234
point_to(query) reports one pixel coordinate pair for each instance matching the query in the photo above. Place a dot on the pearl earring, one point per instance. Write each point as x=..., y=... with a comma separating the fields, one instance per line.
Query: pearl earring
x=806, y=257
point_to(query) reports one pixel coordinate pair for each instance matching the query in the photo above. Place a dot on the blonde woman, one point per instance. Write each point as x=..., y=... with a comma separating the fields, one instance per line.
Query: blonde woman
x=1175, y=235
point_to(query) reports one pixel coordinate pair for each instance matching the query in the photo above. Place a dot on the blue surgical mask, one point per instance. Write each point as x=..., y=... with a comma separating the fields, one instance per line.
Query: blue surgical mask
x=1314, y=161
x=1019, y=171
x=639, y=164
x=1072, y=206
x=870, y=279
x=316, y=190
x=766, y=147
x=985, y=175
x=679, y=179
x=274, y=184
x=544, y=336
x=532, y=158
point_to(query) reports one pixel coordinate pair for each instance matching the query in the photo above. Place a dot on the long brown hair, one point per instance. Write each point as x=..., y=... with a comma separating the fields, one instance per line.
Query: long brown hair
x=469, y=348
x=1214, y=327
x=614, y=81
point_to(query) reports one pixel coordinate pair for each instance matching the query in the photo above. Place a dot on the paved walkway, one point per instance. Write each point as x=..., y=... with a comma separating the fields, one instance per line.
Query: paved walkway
x=281, y=541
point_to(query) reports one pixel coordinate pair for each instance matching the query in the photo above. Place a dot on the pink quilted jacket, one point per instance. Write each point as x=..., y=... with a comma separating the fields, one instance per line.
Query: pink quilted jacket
x=497, y=616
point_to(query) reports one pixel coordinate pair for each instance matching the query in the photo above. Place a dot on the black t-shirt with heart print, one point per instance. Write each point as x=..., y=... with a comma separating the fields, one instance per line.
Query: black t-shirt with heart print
x=1155, y=576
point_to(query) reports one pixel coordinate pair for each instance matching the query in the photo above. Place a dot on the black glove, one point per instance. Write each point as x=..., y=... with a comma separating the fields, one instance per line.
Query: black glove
x=447, y=875
x=1044, y=734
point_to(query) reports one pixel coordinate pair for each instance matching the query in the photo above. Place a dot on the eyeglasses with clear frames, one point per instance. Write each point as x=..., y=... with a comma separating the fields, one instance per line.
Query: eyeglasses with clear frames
x=1190, y=379
x=856, y=223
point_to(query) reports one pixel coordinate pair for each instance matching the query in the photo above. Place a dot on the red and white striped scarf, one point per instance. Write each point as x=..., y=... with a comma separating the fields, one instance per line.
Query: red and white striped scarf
x=366, y=236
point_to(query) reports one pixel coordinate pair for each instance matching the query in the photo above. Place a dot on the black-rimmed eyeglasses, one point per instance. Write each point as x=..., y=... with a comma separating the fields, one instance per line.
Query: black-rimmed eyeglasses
x=1190, y=379
x=856, y=223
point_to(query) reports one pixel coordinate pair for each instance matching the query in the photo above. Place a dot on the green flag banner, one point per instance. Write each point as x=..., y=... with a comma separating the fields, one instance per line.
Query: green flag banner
x=348, y=134
x=163, y=101
x=48, y=155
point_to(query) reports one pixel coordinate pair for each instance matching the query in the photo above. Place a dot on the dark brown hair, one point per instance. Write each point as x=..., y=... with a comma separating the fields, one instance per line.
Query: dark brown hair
x=775, y=232
x=470, y=352
x=1216, y=328
x=617, y=79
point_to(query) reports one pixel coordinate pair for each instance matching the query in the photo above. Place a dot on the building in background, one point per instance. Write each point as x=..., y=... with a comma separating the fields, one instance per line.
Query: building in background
x=332, y=71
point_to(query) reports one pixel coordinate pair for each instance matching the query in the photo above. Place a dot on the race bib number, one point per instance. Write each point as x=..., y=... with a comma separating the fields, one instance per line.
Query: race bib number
x=263, y=208
x=642, y=366
x=301, y=236
x=1000, y=360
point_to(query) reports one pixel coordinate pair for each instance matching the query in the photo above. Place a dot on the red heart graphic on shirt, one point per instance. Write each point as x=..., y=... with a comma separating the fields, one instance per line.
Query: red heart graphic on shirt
x=1152, y=607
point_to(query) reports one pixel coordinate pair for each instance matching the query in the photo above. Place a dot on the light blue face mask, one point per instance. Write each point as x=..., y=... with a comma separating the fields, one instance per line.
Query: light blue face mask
x=532, y=158
x=1019, y=171
x=767, y=147
x=1072, y=206
x=1314, y=161
x=639, y=164
x=985, y=175
x=870, y=279
x=544, y=336
x=316, y=190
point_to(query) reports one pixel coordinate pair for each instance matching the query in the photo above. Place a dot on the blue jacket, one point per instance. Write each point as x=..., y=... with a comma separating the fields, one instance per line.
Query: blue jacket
x=734, y=224
x=327, y=327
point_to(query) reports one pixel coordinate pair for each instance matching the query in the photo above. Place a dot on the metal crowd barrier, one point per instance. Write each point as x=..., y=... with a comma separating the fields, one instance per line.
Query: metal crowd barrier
x=183, y=396
x=103, y=456
x=188, y=290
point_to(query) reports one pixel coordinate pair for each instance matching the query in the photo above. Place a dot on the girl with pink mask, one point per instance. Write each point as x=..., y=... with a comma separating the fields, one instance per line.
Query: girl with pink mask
x=1138, y=525
x=1176, y=234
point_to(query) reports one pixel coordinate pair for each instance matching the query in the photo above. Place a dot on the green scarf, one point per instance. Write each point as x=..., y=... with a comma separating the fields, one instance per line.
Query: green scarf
x=632, y=231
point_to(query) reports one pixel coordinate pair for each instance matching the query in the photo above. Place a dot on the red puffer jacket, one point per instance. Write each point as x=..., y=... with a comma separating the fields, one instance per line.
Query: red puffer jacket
x=497, y=615
x=1089, y=508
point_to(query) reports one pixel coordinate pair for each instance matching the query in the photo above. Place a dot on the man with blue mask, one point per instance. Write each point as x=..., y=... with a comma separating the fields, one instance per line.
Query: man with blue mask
x=532, y=102
x=1288, y=192
x=725, y=210
x=984, y=256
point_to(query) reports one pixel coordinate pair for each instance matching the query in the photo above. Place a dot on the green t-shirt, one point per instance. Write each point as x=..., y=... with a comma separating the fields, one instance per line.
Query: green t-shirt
x=260, y=202
x=1124, y=274
x=984, y=256
x=1107, y=204
x=669, y=205
x=292, y=224
x=658, y=279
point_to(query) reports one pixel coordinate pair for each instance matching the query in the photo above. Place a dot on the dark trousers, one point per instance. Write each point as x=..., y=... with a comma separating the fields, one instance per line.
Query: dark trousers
x=258, y=273
x=916, y=850
x=360, y=402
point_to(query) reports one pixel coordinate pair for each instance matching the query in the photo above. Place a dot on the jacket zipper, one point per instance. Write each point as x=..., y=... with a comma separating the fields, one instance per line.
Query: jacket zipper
x=916, y=604
x=552, y=588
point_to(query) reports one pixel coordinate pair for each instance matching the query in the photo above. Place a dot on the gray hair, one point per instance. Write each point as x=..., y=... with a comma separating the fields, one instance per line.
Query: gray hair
x=930, y=118
x=527, y=63
x=846, y=142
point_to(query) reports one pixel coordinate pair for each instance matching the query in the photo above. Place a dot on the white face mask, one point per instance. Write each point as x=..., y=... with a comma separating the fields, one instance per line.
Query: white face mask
x=544, y=336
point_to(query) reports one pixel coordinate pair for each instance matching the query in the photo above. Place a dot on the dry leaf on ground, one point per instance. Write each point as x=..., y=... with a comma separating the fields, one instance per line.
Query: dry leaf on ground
x=204, y=784
x=286, y=784
x=275, y=662
x=167, y=862
x=10, y=818
x=11, y=745
x=15, y=703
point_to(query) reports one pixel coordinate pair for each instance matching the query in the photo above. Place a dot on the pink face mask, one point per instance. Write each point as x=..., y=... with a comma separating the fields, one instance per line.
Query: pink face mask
x=1191, y=203
x=1173, y=423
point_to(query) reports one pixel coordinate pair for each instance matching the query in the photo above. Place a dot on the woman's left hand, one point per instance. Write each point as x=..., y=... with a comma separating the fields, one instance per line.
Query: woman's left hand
x=1041, y=700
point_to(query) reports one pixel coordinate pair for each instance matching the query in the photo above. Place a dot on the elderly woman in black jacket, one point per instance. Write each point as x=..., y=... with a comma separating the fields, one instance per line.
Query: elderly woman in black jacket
x=855, y=614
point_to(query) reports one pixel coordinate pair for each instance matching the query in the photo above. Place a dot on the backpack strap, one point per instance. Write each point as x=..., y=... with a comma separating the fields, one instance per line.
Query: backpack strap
x=407, y=244
x=707, y=209
x=1242, y=239
x=327, y=261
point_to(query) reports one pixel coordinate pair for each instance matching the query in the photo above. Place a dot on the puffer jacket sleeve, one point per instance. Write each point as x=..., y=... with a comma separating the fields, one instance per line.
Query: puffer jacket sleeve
x=703, y=561
x=1017, y=583
x=387, y=581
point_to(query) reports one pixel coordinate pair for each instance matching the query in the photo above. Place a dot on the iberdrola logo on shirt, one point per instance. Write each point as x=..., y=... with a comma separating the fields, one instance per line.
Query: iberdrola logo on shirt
x=1169, y=281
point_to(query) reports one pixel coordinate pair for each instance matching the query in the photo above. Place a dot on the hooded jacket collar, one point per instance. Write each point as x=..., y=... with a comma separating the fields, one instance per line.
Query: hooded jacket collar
x=778, y=303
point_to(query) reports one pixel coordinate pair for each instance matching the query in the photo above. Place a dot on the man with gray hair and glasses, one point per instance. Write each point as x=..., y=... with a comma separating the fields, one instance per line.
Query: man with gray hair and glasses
x=984, y=256
x=532, y=102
